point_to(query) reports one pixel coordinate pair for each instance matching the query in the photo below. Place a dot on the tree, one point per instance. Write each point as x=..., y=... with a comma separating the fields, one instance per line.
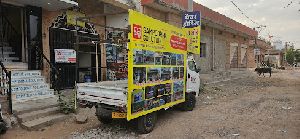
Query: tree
x=297, y=55
x=290, y=56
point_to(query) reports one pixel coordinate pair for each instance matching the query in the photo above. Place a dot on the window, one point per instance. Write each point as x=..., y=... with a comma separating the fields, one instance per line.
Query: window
x=202, y=49
x=192, y=65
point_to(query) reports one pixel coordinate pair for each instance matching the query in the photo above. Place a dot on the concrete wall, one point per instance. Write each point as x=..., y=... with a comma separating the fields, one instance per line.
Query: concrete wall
x=251, y=57
x=206, y=62
x=174, y=19
x=47, y=19
x=156, y=14
x=118, y=21
x=218, y=52
x=217, y=47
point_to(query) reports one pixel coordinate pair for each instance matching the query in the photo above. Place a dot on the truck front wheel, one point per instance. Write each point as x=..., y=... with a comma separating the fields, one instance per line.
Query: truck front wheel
x=146, y=123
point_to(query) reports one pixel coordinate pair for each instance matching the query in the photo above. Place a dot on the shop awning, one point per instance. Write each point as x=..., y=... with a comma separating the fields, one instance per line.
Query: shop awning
x=51, y=5
x=118, y=3
x=173, y=6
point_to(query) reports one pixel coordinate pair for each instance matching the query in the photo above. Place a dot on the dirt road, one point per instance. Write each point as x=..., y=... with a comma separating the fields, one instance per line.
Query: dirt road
x=246, y=108
x=253, y=107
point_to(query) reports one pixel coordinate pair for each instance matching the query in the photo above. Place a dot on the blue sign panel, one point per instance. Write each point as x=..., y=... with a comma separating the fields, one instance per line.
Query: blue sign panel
x=191, y=19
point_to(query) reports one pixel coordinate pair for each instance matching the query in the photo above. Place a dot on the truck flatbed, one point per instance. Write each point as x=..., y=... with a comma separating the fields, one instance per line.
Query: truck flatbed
x=112, y=93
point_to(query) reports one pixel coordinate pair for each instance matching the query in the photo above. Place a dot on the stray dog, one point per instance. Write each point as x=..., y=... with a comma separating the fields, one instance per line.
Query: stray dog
x=263, y=70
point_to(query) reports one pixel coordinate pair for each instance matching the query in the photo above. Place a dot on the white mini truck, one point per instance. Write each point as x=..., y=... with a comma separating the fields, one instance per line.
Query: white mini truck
x=110, y=98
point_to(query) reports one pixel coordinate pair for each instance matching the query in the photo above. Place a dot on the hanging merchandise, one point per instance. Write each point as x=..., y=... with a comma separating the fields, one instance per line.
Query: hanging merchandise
x=116, y=62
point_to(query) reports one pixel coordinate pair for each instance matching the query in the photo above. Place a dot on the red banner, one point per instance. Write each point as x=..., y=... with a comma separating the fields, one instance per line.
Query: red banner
x=178, y=43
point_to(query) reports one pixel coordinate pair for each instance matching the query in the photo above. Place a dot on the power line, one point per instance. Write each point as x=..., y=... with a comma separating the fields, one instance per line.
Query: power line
x=242, y=12
x=260, y=27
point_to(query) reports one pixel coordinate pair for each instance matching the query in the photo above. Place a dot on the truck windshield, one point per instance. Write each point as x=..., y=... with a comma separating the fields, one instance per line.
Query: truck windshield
x=192, y=65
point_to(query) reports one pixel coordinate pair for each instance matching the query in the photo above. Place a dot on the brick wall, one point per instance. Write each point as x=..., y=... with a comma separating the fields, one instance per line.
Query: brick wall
x=221, y=50
x=251, y=57
x=47, y=19
x=174, y=19
x=156, y=14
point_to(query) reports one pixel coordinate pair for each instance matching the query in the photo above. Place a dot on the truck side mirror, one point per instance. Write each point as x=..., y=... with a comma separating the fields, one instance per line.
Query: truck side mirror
x=197, y=69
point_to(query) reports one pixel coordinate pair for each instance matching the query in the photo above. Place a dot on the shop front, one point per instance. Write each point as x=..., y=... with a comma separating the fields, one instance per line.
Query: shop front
x=88, y=45
x=84, y=41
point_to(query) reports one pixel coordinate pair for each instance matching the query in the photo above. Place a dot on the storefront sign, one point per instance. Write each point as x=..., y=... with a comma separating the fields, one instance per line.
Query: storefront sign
x=191, y=19
x=156, y=65
x=65, y=56
x=72, y=16
x=191, y=22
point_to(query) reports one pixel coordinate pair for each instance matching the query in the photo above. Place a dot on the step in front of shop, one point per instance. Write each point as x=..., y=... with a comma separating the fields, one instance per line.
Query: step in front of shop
x=28, y=80
x=37, y=114
x=25, y=73
x=15, y=66
x=29, y=85
x=32, y=95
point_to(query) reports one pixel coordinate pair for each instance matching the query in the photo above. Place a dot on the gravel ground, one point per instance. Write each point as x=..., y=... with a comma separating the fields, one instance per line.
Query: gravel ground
x=253, y=107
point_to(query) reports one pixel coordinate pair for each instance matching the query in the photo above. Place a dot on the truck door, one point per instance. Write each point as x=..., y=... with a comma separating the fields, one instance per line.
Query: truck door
x=193, y=78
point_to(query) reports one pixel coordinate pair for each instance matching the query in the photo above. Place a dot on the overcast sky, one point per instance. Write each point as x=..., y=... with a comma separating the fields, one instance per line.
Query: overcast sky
x=282, y=23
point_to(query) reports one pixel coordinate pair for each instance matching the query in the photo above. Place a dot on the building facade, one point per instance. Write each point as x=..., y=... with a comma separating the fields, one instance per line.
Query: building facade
x=77, y=39
x=224, y=42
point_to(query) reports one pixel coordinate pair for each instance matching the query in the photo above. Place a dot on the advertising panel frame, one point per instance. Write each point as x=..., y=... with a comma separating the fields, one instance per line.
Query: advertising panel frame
x=155, y=47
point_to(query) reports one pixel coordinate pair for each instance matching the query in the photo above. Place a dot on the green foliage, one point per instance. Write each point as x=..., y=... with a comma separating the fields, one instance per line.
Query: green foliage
x=66, y=104
x=290, y=55
x=293, y=56
x=297, y=55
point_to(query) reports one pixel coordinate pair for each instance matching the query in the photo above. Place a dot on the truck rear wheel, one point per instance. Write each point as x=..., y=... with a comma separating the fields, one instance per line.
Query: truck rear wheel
x=105, y=120
x=190, y=102
x=104, y=115
x=3, y=128
x=146, y=123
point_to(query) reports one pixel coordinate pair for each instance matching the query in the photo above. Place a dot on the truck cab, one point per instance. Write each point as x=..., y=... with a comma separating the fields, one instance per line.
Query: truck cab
x=192, y=77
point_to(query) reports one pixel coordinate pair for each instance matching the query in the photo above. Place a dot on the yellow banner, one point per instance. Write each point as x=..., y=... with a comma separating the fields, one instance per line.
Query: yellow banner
x=193, y=34
x=72, y=16
x=156, y=65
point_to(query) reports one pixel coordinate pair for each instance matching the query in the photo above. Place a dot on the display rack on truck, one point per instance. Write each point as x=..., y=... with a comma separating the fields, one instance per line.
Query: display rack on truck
x=160, y=75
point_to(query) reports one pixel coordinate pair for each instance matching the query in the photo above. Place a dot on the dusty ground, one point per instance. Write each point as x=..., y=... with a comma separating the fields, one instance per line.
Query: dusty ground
x=253, y=107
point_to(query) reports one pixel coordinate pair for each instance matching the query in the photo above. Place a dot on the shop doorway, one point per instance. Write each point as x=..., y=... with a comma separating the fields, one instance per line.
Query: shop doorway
x=72, y=59
x=59, y=40
x=11, y=33
x=34, y=37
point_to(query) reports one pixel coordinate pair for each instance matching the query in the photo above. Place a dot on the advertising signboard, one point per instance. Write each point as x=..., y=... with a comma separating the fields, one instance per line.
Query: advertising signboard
x=65, y=55
x=191, y=22
x=72, y=16
x=156, y=65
